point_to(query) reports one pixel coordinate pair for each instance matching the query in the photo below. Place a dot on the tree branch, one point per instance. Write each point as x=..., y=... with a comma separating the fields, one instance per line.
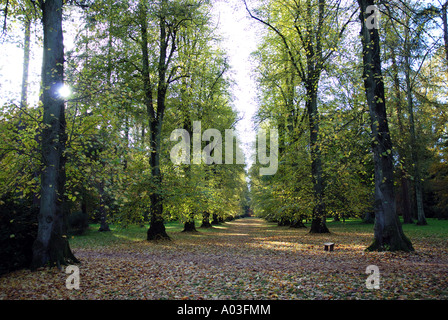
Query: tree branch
x=300, y=70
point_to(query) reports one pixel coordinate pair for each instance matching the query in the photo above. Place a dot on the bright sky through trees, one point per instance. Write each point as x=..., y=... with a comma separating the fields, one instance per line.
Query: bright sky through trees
x=239, y=34
x=240, y=38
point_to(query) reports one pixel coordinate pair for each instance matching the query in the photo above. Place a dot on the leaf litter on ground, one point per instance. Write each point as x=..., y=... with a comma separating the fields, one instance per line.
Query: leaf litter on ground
x=248, y=259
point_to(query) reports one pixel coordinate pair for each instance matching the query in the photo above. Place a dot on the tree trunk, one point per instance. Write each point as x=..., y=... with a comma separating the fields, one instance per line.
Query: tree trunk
x=387, y=231
x=84, y=203
x=215, y=220
x=369, y=217
x=314, y=69
x=445, y=29
x=104, y=226
x=405, y=196
x=156, y=230
x=126, y=135
x=51, y=245
x=318, y=224
x=421, y=220
x=26, y=63
x=189, y=226
x=206, y=220
x=406, y=200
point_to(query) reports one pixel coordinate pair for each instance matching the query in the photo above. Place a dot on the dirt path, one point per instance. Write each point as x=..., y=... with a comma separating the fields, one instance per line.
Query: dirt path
x=242, y=259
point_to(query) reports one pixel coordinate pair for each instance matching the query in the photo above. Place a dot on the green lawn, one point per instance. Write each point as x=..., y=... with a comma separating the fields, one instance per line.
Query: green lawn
x=435, y=230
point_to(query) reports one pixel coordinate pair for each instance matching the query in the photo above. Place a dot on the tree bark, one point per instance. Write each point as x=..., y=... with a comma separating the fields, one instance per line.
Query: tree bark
x=318, y=224
x=388, y=232
x=418, y=189
x=405, y=196
x=104, y=226
x=406, y=200
x=445, y=29
x=315, y=66
x=26, y=63
x=189, y=226
x=206, y=220
x=156, y=230
x=215, y=219
x=51, y=245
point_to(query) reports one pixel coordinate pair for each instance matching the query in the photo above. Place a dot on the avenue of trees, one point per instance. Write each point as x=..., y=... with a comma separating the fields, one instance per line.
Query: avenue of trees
x=357, y=90
x=359, y=104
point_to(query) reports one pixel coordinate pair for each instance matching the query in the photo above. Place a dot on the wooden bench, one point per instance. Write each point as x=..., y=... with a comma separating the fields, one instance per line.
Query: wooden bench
x=329, y=246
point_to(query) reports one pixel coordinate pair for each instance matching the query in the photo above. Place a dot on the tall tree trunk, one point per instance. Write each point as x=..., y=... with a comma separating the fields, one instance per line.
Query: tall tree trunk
x=406, y=199
x=126, y=135
x=421, y=220
x=445, y=29
x=318, y=223
x=147, y=87
x=388, y=231
x=24, y=98
x=51, y=245
x=315, y=67
x=104, y=225
x=405, y=196
x=156, y=230
x=189, y=225
x=26, y=63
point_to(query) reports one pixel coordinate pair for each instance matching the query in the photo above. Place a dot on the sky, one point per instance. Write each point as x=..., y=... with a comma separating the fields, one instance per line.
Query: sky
x=11, y=60
x=240, y=37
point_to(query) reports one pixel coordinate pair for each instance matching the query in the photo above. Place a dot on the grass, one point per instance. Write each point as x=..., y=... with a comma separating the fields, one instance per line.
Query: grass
x=436, y=230
x=132, y=233
x=118, y=234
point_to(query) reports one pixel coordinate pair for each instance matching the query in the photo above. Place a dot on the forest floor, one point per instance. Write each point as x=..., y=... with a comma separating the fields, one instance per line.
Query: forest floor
x=242, y=259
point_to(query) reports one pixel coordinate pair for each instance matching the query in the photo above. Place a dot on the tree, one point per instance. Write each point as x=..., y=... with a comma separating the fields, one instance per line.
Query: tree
x=172, y=17
x=444, y=16
x=421, y=220
x=410, y=44
x=308, y=50
x=51, y=245
x=388, y=232
x=26, y=62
